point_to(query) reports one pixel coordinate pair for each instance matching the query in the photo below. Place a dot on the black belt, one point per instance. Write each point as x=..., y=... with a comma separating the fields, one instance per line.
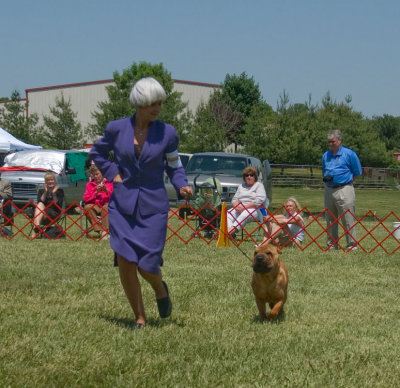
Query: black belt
x=340, y=185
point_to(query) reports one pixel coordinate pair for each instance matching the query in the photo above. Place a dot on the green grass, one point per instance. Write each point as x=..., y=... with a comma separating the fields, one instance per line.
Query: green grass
x=65, y=321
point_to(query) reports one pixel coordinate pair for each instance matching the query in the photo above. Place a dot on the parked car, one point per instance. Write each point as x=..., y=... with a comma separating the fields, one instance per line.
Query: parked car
x=227, y=168
x=26, y=169
x=185, y=158
x=172, y=196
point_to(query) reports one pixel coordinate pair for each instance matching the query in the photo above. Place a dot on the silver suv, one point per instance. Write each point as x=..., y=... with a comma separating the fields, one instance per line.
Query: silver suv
x=26, y=170
x=227, y=168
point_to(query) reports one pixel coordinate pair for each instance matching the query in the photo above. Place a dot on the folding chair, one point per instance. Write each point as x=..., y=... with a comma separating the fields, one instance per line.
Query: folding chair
x=258, y=215
x=52, y=228
x=208, y=204
x=6, y=216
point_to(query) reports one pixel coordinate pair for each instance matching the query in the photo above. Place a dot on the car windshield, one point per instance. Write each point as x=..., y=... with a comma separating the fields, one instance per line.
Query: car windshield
x=208, y=164
x=184, y=160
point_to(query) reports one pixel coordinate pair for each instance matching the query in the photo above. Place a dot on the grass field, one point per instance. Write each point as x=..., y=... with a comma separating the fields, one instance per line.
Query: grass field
x=65, y=320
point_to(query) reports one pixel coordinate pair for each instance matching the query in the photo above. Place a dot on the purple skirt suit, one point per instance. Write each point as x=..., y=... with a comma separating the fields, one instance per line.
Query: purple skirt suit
x=138, y=208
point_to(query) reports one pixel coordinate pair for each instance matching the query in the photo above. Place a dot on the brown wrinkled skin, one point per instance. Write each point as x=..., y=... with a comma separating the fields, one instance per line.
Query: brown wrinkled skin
x=270, y=287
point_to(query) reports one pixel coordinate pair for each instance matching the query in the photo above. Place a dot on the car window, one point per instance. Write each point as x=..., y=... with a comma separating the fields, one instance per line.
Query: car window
x=208, y=164
x=184, y=160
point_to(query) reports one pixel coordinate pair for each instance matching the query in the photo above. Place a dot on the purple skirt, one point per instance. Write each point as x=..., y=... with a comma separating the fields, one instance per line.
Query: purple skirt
x=138, y=239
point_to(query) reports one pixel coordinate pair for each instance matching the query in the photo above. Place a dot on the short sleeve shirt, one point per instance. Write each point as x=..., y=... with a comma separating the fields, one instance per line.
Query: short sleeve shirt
x=343, y=166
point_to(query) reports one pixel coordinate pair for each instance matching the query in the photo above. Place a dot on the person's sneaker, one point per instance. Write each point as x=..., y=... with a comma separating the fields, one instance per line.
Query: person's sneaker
x=332, y=248
x=351, y=248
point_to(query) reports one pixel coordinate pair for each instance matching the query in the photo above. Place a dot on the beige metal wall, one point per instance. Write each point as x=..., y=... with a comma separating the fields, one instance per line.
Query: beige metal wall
x=194, y=93
x=85, y=96
x=84, y=99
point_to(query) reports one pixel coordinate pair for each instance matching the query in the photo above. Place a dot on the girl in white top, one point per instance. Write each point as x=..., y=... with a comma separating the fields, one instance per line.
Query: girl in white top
x=282, y=228
x=249, y=196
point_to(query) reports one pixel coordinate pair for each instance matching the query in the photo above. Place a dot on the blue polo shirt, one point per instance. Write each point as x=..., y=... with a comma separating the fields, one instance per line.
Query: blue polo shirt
x=343, y=166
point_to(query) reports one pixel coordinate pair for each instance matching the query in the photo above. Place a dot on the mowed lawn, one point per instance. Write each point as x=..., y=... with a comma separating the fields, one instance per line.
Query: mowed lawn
x=65, y=320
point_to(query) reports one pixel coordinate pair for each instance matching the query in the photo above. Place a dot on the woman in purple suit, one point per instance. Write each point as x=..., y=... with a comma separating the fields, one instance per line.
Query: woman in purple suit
x=138, y=210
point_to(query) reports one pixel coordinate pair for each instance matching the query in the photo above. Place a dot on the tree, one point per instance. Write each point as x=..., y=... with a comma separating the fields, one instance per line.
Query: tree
x=388, y=129
x=297, y=133
x=228, y=120
x=62, y=130
x=260, y=137
x=283, y=136
x=239, y=94
x=357, y=132
x=227, y=110
x=13, y=118
x=118, y=104
x=205, y=134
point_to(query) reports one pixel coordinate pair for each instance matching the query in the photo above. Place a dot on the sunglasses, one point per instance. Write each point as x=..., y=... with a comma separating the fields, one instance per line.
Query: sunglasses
x=249, y=175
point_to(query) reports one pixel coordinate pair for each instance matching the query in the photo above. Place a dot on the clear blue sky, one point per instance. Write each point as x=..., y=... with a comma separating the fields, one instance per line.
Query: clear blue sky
x=303, y=47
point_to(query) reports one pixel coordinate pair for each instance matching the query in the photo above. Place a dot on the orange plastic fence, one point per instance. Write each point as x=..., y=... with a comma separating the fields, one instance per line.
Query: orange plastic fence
x=187, y=224
x=73, y=222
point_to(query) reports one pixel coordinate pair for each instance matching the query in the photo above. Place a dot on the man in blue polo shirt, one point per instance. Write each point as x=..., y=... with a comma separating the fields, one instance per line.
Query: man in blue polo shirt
x=340, y=165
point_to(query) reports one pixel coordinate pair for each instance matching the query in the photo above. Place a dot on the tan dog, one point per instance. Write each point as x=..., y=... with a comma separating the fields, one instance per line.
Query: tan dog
x=269, y=281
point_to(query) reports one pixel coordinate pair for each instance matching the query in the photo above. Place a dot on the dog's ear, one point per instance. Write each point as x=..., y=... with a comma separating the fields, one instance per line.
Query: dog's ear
x=279, y=250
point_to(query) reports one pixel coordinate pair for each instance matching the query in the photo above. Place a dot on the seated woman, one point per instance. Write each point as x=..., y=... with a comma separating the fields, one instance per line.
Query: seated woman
x=249, y=196
x=96, y=197
x=282, y=228
x=50, y=194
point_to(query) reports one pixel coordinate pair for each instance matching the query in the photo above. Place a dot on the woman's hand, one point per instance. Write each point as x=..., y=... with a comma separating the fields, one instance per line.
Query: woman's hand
x=186, y=192
x=100, y=187
x=118, y=178
x=238, y=207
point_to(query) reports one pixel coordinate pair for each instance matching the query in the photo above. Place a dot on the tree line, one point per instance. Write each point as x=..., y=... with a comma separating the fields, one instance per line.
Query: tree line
x=235, y=115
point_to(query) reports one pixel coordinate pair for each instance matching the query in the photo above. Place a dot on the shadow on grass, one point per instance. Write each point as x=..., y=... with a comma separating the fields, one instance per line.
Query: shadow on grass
x=130, y=323
x=280, y=319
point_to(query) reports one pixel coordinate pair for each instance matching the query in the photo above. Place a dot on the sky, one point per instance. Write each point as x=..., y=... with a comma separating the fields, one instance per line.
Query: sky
x=305, y=48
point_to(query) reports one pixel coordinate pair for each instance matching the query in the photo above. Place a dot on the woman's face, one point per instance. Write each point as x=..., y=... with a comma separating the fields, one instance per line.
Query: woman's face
x=249, y=179
x=151, y=112
x=290, y=207
x=50, y=182
x=97, y=176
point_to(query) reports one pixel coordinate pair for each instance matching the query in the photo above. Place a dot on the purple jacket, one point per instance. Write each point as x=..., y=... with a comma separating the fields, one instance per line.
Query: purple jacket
x=143, y=178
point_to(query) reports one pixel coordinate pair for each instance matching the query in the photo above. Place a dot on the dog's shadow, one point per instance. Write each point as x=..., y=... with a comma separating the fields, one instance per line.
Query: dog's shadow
x=280, y=319
x=130, y=324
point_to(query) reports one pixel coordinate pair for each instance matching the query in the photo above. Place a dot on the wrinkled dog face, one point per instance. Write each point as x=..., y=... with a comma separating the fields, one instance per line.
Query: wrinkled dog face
x=266, y=257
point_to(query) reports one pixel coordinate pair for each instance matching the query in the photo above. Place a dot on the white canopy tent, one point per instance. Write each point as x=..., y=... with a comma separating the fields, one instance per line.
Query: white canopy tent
x=9, y=143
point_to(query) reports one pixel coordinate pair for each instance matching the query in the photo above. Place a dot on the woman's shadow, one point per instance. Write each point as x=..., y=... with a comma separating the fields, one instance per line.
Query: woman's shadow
x=130, y=323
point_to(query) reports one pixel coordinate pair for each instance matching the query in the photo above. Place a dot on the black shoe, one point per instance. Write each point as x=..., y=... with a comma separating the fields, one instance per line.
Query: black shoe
x=164, y=304
x=208, y=235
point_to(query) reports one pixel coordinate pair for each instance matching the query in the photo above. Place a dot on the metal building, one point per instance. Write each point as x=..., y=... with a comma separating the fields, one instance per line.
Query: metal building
x=85, y=96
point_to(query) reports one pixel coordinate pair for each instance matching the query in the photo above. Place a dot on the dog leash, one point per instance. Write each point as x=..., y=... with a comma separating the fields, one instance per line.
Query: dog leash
x=244, y=253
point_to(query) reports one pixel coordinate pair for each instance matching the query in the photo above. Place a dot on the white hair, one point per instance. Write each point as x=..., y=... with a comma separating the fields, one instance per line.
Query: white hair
x=146, y=92
x=335, y=134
